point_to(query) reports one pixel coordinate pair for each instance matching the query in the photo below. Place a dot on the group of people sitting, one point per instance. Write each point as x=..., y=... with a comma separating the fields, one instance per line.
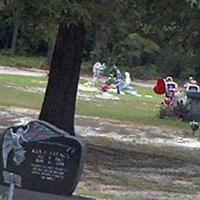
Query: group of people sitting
x=115, y=79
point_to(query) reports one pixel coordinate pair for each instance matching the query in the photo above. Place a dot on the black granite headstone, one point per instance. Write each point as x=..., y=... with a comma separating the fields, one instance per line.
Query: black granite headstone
x=42, y=158
x=193, y=106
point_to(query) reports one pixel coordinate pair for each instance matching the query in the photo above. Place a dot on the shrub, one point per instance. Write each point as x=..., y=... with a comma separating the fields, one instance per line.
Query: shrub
x=176, y=64
x=145, y=72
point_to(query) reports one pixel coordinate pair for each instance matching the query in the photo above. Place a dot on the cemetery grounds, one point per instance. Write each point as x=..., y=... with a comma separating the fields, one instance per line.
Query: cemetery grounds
x=131, y=154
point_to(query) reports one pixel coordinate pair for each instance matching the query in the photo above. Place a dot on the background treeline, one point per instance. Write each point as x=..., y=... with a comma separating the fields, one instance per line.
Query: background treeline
x=149, y=38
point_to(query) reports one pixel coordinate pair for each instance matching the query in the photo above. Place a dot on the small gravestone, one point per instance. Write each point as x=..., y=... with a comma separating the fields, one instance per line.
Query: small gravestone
x=41, y=157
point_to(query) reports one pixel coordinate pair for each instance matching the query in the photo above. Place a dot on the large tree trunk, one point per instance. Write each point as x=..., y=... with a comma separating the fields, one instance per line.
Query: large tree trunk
x=59, y=103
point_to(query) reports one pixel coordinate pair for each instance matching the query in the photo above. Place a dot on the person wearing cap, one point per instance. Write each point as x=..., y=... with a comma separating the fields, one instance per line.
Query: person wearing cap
x=192, y=80
x=191, y=85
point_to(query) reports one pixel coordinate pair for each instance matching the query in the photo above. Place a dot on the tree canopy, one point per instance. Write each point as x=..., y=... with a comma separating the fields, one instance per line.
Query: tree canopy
x=172, y=27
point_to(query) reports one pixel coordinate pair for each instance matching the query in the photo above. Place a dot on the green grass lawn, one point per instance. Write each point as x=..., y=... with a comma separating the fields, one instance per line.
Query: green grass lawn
x=130, y=109
x=10, y=95
x=24, y=81
x=13, y=92
x=22, y=61
x=32, y=62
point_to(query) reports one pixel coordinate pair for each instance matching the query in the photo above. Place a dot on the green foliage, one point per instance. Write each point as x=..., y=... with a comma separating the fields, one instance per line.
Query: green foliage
x=135, y=41
x=127, y=33
x=5, y=30
x=146, y=72
x=135, y=49
x=176, y=64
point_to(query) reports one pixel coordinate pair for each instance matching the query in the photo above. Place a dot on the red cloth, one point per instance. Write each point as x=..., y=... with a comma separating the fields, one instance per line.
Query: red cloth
x=160, y=86
x=105, y=88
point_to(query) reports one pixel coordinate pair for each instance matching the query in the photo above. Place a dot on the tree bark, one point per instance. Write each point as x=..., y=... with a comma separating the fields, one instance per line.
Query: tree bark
x=101, y=38
x=113, y=51
x=50, y=52
x=60, y=98
x=15, y=33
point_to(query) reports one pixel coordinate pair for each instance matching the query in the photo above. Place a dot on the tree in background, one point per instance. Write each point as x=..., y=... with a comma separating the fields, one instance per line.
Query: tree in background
x=60, y=98
x=16, y=9
x=33, y=22
x=173, y=25
x=59, y=103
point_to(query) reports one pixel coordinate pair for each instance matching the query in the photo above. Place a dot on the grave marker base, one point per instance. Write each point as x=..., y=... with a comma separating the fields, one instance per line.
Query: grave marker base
x=21, y=194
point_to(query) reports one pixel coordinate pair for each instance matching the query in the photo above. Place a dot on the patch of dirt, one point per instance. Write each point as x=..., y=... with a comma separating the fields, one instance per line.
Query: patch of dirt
x=130, y=161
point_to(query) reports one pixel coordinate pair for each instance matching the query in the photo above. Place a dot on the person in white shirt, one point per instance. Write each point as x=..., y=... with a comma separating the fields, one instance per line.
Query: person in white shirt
x=96, y=72
x=171, y=89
